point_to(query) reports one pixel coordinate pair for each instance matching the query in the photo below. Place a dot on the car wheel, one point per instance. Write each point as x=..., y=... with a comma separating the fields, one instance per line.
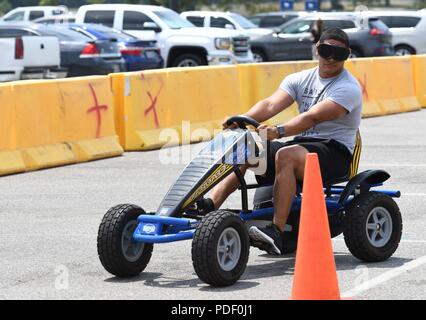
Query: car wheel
x=404, y=51
x=259, y=56
x=372, y=227
x=118, y=253
x=220, y=248
x=189, y=60
x=355, y=54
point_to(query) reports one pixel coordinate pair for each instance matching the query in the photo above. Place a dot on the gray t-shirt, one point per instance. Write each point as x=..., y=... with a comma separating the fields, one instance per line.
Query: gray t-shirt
x=307, y=88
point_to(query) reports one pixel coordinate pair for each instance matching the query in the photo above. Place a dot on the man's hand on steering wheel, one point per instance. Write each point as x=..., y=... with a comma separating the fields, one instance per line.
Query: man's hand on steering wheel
x=225, y=125
x=239, y=121
x=271, y=132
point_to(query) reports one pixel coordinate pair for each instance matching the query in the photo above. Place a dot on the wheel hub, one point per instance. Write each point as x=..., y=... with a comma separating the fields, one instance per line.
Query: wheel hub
x=379, y=227
x=131, y=250
x=228, y=249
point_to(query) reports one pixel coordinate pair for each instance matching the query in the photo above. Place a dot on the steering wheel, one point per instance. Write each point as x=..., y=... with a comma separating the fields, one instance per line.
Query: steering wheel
x=242, y=121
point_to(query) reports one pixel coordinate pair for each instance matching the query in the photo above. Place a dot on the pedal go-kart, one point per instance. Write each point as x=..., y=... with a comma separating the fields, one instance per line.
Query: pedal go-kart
x=369, y=220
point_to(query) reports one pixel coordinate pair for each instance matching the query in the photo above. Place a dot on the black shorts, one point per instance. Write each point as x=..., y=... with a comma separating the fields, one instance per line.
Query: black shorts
x=334, y=158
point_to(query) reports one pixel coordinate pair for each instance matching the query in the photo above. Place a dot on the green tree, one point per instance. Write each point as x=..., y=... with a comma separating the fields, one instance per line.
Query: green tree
x=49, y=2
x=96, y=1
x=5, y=6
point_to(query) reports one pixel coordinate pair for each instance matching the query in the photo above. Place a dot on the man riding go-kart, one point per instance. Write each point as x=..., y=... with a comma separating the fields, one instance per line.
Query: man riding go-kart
x=329, y=100
x=330, y=103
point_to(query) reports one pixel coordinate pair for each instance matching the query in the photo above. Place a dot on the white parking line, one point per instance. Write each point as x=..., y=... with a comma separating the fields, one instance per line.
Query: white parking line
x=403, y=240
x=414, y=241
x=402, y=165
x=385, y=277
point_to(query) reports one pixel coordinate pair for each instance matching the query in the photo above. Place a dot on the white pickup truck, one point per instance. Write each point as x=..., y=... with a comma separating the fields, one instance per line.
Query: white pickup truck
x=29, y=57
x=181, y=43
x=26, y=14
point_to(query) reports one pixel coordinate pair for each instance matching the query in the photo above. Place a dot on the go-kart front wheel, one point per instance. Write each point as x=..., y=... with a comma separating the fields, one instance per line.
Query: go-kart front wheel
x=372, y=227
x=119, y=254
x=220, y=248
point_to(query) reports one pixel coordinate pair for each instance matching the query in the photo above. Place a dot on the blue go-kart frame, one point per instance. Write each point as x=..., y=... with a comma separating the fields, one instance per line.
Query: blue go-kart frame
x=369, y=218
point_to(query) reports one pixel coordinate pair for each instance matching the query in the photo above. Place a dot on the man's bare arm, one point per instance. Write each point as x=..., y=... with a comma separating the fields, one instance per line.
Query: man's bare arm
x=326, y=110
x=271, y=106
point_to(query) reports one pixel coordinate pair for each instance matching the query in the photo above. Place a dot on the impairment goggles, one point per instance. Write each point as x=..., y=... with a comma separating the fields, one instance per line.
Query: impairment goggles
x=337, y=53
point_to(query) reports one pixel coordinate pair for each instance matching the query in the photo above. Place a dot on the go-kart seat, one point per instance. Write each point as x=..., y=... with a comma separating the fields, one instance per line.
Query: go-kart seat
x=264, y=192
x=353, y=169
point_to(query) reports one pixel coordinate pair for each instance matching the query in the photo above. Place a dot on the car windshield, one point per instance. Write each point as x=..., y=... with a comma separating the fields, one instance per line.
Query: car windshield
x=296, y=26
x=242, y=21
x=173, y=20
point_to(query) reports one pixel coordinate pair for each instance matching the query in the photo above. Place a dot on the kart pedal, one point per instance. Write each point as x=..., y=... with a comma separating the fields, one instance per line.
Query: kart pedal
x=205, y=205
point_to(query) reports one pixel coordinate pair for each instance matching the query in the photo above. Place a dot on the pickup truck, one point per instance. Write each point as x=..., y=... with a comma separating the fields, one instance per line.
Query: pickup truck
x=181, y=43
x=26, y=14
x=29, y=57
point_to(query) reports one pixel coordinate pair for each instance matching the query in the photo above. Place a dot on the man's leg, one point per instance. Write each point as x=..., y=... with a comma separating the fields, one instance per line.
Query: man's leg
x=289, y=167
x=227, y=186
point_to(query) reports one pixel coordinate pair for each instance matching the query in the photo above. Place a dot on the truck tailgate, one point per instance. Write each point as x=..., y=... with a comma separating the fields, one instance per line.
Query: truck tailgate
x=7, y=46
x=41, y=51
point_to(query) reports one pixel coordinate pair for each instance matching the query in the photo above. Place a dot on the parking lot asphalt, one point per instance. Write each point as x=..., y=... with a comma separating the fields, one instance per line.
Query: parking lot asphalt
x=49, y=221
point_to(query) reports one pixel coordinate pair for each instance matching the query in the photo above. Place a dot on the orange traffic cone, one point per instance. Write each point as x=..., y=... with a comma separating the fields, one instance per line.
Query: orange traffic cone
x=315, y=276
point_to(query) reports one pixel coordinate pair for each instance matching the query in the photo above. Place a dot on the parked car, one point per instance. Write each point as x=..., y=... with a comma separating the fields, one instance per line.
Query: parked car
x=26, y=57
x=408, y=29
x=80, y=54
x=57, y=19
x=26, y=14
x=226, y=20
x=180, y=42
x=138, y=54
x=272, y=20
x=368, y=37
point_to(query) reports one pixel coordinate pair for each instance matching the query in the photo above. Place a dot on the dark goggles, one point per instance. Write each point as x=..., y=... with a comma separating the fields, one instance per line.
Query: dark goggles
x=337, y=53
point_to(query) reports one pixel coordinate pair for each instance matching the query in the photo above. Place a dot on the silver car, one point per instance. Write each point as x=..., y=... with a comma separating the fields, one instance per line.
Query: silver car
x=408, y=29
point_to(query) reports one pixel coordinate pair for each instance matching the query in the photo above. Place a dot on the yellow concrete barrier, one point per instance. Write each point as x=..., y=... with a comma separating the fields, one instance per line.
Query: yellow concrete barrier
x=147, y=103
x=10, y=159
x=419, y=66
x=61, y=122
x=267, y=77
x=387, y=84
x=182, y=100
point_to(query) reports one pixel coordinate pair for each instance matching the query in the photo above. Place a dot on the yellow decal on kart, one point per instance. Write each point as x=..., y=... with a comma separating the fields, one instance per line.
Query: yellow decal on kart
x=216, y=175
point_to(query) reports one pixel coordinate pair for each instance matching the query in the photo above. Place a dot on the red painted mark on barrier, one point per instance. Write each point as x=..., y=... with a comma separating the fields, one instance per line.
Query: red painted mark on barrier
x=363, y=85
x=97, y=108
x=153, y=107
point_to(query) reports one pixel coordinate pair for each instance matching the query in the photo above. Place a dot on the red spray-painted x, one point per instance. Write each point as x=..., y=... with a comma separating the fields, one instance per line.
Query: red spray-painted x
x=97, y=108
x=363, y=85
x=153, y=107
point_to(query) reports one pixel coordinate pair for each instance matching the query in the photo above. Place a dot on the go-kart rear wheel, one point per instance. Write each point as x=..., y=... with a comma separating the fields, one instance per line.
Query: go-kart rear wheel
x=220, y=248
x=119, y=254
x=373, y=227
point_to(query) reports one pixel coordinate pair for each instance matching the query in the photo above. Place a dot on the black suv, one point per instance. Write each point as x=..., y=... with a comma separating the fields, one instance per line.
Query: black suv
x=368, y=37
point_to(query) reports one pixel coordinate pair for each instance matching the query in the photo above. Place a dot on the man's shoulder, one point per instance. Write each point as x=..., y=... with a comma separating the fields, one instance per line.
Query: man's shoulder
x=348, y=82
x=304, y=75
x=350, y=78
x=309, y=72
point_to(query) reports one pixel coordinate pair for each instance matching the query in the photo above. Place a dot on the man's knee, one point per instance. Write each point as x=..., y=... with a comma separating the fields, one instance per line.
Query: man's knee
x=285, y=157
x=292, y=157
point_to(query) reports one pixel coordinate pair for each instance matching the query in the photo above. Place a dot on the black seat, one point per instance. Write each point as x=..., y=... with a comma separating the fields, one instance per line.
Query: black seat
x=353, y=168
x=264, y=192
